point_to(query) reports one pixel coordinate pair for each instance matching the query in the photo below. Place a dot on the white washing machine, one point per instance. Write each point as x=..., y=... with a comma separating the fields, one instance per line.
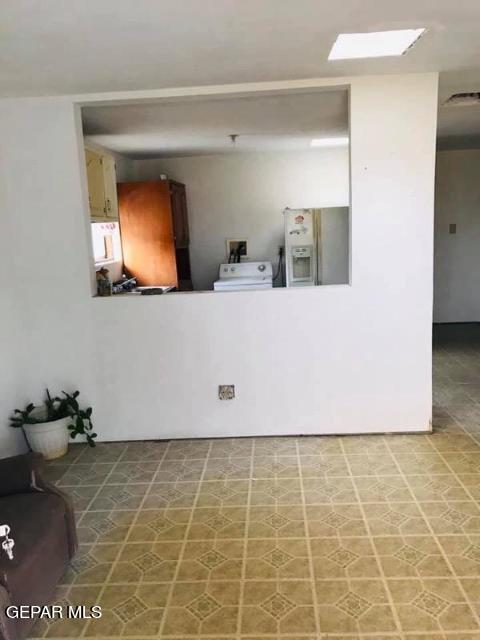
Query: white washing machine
x=244, y=276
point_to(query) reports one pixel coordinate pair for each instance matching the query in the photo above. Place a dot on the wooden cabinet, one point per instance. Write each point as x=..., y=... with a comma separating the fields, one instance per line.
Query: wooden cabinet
x=110, y=186
x=96, y=189
x=154, y=227
x=102, y=185
x=179, y=213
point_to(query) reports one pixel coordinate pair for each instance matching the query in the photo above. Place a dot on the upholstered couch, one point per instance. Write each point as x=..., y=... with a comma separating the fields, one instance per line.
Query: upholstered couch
x=42, y=524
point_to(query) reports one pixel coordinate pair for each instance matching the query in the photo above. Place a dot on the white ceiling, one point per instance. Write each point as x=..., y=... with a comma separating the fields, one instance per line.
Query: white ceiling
x=82, y=46
x=269, y=123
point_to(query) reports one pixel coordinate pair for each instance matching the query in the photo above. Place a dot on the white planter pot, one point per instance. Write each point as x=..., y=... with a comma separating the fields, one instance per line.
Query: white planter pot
x=49, y=438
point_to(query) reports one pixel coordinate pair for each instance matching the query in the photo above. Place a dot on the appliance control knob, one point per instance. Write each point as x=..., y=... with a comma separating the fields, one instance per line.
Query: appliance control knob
x=261, y=267
x=232, y=269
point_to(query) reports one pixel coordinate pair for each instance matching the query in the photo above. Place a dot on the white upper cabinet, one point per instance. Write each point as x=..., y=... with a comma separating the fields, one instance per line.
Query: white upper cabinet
x=110, y=186
x=102, y=185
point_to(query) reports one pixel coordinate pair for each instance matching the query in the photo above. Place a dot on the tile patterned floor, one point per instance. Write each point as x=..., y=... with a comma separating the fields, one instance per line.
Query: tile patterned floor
x=371, y=537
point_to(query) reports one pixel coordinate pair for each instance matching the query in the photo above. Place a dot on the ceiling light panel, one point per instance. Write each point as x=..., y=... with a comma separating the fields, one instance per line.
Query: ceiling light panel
x=377, y=44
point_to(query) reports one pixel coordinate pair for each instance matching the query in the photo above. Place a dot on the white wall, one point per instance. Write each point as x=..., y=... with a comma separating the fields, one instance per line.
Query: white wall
x=313, y=360
x=244, y=195
x=457, y=256
x=46, y=277
x=12, y=346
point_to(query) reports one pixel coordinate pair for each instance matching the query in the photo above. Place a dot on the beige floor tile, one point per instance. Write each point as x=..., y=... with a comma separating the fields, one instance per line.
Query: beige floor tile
x=431, y=605
x=313, y=445
x=276, y=491
x=399, y=518
x=180, y=470
x=471, y=587
x=319, y=466
x=411, y=556
x=463, y=461
x=409, y=444
x=277, y=559
x=95, y=473
x=390, y=636
x=452, y=517
x=444, y=488
x=290, y=637
x=275, y=467
x=219, y=493
x=383, y=489
x=234, y=447
x=212, y=560
x=426, y=463
x=471, y=483
x=361, y=606
x=329, y=490
x=274, y=446
x=343, y=558
x=132, y=472
x=116, y=497
x=83, y=496
x=371, y=464
x=103, y=452
x=277, y=608
x=370, y=445
x=202, y=608
x=276, y=522
x=325, y=521
x=157, y=525
x=146, y=562
x=443, y=422
x=187, y=450
x=451, y=442
x=144, y=451
x=164, y=495
x=92, y=564
x=218, y=522
x=228, y=468
x=130, y=609
x=104, y=526
x=463, y=553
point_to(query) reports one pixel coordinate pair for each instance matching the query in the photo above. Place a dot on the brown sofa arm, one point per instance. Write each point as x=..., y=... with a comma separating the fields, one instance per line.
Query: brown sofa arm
x=21, y=474
x=16, y=474
x=7, y=631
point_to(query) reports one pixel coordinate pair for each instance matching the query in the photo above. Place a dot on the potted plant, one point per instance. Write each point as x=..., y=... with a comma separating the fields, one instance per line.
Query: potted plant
x=47, y=427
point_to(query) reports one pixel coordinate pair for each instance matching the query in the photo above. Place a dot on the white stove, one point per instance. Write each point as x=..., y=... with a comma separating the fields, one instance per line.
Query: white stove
x=244, y=276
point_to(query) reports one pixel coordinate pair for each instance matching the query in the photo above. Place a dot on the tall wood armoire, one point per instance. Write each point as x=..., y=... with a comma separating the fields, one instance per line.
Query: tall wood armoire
x=154, y=228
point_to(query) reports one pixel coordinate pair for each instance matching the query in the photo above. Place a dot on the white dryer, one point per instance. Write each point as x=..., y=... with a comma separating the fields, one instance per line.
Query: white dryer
x=244, y=276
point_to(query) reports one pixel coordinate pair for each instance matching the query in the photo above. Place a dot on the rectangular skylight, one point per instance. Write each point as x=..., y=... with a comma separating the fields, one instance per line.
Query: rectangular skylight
x=374, y=45
x=329, y=142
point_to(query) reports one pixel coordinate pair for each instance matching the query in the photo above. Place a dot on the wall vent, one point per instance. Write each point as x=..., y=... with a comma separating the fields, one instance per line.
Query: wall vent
x=463, y=99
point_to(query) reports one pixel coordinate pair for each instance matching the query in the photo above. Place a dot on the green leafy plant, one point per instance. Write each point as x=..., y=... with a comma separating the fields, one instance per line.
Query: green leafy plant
x=54, y=409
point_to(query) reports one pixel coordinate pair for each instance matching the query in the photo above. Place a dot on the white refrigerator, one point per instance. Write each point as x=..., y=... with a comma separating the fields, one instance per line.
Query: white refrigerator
x=302, y=247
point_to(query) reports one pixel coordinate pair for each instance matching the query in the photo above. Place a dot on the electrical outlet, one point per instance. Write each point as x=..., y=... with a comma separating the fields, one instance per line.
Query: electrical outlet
x=226, y=391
